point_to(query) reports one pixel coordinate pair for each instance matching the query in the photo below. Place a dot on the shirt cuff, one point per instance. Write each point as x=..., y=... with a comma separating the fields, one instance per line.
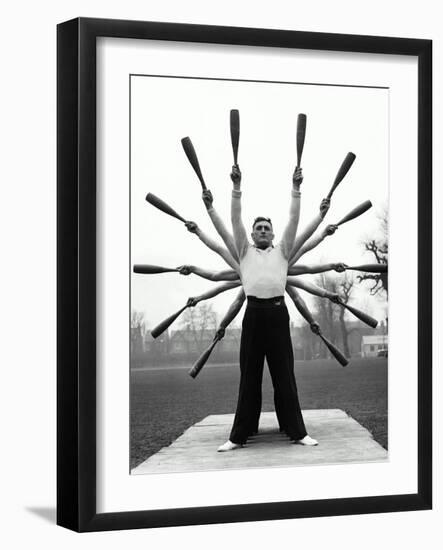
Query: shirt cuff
x=295, y=193
x=236, y=193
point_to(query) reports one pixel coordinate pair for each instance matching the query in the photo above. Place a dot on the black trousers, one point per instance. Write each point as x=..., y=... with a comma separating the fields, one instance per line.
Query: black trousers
x=265, y=333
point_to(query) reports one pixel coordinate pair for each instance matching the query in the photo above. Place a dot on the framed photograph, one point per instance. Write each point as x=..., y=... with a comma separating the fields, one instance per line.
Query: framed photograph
x=207, y=373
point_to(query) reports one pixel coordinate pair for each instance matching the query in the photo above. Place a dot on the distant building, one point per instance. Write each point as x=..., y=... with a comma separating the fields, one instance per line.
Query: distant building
x=188, y=341
x=158, y=346
x=183, y=346
x=373, y=344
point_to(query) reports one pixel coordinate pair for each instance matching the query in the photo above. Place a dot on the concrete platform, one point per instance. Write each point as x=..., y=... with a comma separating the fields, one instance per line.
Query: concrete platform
x=341, y=440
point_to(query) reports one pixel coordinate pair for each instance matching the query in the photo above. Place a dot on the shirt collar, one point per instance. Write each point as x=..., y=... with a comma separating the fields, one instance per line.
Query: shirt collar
x=264, y=249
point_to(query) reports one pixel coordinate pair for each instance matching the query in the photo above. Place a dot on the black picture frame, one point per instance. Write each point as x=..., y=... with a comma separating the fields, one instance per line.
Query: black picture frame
x=76, y=279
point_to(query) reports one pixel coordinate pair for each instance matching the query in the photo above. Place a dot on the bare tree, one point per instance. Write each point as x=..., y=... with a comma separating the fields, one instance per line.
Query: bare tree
x=331, y=316
x=138, y=330
x=310, y=342
x=197, y=321
x=345, y=293
x=137, y=319
x=379, y=249
x=326, y=311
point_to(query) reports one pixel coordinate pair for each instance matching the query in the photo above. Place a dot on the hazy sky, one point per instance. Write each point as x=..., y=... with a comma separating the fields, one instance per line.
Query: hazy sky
x=339, y=119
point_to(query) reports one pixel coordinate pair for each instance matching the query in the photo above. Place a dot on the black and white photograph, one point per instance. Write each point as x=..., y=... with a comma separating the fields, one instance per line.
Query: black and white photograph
x=221, y=301
x=241, y=202
x=259, y=239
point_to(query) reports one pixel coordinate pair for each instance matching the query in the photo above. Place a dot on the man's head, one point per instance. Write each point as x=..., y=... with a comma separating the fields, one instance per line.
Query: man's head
x=262, y=233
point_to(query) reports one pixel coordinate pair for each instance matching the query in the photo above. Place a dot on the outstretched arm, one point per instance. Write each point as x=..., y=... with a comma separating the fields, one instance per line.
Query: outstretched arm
x=226, y=275
x=311, y=288
x=302, y=269
x=313, y=242
x=301, y=306
x=194, y=228
x=289, y=233
x=238, y=229
x=232, y=312
x=218, y=223
x=213, y=292
x=315, y=327
x=309, y=229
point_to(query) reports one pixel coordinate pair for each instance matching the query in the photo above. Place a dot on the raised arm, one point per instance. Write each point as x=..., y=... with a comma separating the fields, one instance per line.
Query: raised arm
x=194, y=228
x=227, y=275
x=311, y=288
x=219, y=224
x=303, y=269
x=238, y=229
x=290, y=231
x=309, y=229
x=313, y=242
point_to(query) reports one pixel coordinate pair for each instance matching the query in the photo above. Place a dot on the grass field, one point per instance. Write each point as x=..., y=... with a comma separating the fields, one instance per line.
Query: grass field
x=167, y=401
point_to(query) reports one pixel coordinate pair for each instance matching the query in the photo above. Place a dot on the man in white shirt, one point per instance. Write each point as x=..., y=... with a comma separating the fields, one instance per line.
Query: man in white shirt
x=265, y=329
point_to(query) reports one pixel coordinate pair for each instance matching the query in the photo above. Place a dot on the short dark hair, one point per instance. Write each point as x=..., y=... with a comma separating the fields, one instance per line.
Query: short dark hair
x=261, y=219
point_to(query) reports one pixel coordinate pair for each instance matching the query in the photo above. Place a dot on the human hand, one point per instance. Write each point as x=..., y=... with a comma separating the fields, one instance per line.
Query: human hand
x=185, y=269
x=324, y=207
x=220, y=333
x=208, y=199
x=192, y=302
x=297, y=177
x=331, y=229
x=340, y=267
x=334, y=297
x=315, y=327
x=192, y=227
x=236, y=175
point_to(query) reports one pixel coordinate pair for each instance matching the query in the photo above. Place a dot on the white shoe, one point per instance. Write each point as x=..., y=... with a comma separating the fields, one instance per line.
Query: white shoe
x=308, y=441
x=228, y=446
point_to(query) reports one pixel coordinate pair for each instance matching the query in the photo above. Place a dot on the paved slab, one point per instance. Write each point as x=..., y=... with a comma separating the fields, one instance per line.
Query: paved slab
x=341, y=440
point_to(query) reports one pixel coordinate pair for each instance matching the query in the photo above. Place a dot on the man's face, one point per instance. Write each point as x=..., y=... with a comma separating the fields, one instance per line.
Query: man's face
x=262, y=234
